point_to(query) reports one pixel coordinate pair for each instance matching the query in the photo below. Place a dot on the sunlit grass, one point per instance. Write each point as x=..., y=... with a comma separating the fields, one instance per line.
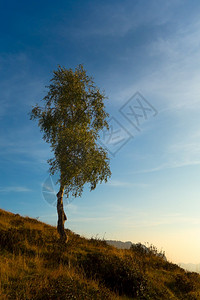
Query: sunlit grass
x=35, y=265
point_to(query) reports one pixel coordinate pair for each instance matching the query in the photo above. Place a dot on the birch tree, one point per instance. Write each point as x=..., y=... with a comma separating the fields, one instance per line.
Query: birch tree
x=71, y=117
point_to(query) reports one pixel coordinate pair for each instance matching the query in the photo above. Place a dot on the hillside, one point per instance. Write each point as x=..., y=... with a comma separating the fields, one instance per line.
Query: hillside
x=34, y=265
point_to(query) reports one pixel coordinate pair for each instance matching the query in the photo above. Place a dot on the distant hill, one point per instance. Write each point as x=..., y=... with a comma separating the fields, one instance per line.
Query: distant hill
x=143, y=248
x=190, y=267
x=35, y=265
x=119, y=244
x=127, y=245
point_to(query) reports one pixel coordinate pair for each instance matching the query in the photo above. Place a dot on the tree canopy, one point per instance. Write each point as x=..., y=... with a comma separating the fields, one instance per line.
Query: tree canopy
x=71, y=118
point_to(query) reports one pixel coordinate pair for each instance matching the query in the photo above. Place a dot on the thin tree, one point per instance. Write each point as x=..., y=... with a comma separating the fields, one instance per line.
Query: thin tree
x=71, y=118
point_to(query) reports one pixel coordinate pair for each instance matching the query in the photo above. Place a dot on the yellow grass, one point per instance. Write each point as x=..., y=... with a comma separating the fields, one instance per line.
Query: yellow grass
x=35, y=265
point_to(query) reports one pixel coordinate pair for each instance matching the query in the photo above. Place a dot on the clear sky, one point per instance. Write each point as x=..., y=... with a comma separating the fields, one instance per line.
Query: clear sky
x=151, y=47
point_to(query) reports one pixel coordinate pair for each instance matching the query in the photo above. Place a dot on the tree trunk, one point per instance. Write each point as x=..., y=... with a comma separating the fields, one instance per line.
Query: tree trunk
x=61, y=215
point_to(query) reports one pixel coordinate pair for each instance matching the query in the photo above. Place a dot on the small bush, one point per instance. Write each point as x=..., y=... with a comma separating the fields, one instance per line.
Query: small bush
x=120, y=275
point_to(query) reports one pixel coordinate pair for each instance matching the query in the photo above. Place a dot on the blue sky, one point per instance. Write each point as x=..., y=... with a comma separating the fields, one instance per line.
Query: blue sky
x=151, y=47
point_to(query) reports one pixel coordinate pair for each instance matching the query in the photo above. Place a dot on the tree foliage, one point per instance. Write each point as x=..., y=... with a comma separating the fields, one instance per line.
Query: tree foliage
x=71, y=118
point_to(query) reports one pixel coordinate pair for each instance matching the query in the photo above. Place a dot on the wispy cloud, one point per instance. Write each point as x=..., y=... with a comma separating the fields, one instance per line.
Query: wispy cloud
x=172, y=82
x=170, y=165
x=120, y=19
x=154, y=221
x=118, y=183
x=90, y=219
x=177, y=76
x=24, y=141
x=14, y=189
x=19, y=87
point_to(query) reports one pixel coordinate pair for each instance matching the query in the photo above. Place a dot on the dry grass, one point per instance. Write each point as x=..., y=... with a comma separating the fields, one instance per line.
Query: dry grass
x=35, y=265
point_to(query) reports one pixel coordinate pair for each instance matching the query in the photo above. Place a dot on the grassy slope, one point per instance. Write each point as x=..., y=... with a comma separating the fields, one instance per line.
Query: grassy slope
x=34, y=265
